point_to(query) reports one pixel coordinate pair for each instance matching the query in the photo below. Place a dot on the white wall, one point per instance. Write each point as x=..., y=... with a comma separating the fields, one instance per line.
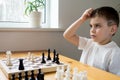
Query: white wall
x=35, y=40
x=69, y=11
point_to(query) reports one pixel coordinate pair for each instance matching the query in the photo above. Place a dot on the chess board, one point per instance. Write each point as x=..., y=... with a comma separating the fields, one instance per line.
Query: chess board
x=49, y=66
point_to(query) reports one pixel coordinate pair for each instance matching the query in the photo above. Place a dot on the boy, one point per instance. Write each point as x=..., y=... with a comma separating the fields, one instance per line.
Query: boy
x=99, y=51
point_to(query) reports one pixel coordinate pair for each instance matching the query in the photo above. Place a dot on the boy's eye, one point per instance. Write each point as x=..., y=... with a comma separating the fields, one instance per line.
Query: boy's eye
x=90, y=25
x=97, y=26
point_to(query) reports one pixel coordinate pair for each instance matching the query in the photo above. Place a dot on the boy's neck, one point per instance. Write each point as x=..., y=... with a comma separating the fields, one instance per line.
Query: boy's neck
x=104, y=42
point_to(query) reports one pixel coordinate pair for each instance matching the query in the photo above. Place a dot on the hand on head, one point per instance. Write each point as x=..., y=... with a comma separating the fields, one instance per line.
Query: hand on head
x=86, y=14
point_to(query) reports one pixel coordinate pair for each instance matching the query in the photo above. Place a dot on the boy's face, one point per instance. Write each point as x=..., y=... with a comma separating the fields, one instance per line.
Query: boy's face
x=100, y=32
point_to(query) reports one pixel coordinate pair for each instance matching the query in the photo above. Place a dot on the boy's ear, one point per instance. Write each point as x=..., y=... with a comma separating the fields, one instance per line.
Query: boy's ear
x=113, y=29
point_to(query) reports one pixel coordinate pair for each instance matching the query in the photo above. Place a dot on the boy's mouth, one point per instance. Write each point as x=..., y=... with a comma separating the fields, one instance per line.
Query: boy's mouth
x=92, y=36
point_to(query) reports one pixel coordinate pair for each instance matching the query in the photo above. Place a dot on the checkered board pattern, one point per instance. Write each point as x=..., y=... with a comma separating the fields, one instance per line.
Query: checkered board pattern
x=49, y=66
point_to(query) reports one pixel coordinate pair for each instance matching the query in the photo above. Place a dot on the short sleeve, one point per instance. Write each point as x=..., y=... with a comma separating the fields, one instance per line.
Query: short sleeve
x=82, y=43
x=114, y=66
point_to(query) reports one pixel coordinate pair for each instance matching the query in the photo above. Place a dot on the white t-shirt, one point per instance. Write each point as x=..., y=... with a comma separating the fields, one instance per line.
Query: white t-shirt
x=105, y=57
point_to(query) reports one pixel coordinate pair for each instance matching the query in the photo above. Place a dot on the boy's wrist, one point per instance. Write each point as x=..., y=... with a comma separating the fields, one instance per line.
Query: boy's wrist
x=82, y=19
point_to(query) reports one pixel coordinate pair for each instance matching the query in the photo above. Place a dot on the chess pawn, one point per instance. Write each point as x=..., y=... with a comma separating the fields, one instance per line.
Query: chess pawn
x=13, y=77
x=81, y=76
x=21, y=66
x=49, y=58
x=57, y=59
x=43, y=58
x=40, y=75
x=26, y=76
x=20, y=76
x=32, y=58
x=75, y=72
x=67, y=77
x=58, y=74
x=54, y=55
x=8, y=55
x=29, y=56
x=62, y=73
x=84, y=75
x=68, y=69
x=67, y=73
x=32, y=75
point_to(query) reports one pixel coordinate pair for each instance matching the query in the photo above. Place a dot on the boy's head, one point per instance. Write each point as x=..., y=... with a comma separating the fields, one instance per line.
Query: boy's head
x=104, y=22
x=109, y=13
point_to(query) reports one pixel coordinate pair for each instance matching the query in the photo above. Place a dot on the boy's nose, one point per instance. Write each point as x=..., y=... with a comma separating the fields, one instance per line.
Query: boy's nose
x=92, y=30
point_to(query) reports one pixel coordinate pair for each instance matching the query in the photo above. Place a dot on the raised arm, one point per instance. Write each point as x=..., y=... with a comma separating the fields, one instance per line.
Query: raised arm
x=70, y=33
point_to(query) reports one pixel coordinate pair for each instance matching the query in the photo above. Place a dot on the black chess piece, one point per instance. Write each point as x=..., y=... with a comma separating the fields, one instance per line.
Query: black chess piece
x=13, y=77
x=21, y=66
x=57, y=59
x=20, y=76
x=40, y=75
x=26, y=76
x=32, y=75
x=54, y=54
x=49, y=58
x=43, y=58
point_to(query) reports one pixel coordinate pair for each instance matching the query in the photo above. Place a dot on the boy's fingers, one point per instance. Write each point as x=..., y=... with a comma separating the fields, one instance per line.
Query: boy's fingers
x=90, y=10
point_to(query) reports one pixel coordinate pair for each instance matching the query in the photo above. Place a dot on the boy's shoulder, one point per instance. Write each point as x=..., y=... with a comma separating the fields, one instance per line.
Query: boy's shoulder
x=115, y=48
x=114, y=45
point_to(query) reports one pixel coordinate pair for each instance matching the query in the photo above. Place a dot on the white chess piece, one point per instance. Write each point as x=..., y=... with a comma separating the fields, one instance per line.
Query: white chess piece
x=58, y=74
x=79, y=76
x=75, y=72
x=62, y=73
x=85, y=75
x=32, y=58
x=29, y=56
x=67, y=76
x=8, y=55
x=67, y=73
x=68, y=69
x=82, y=75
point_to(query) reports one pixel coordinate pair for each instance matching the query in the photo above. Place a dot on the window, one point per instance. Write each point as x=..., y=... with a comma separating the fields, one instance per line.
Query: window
x=12, y=14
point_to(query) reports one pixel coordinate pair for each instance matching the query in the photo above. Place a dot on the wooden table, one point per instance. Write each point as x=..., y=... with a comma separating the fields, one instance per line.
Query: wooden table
x=93, y=73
